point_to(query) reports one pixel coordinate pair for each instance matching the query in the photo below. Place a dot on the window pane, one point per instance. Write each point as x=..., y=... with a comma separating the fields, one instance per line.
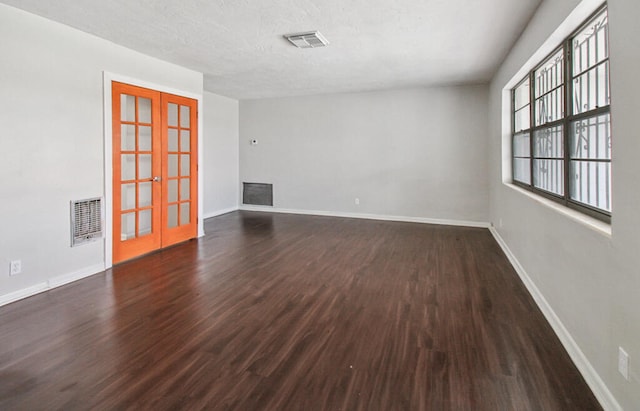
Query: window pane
x=521, y=146
x=547, y=143
x=521, y=95
x=591, y=90
x=591, y=45
x=550, y=75
x=550, y=107
x=522, y=170
x=522, y=119
x=590, y=138
x=548, y=175
x=591, y=183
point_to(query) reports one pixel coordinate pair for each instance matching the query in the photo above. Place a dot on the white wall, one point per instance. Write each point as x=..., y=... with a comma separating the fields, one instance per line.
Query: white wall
x=590, y=279
x=51, y=112
x=221, y=155
x=415, y=153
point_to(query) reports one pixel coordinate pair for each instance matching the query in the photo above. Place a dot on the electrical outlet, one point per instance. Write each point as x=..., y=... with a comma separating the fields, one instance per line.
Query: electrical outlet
x=623, y=363
x=15, y=267
x=357, y=201
x=500, y=223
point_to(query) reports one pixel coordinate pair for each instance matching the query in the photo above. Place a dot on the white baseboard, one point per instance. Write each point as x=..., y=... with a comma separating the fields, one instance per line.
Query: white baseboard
x=382, y=217
x=600, y=390
x=24, y=293
x=50, y=284
x=220, y=212
x=75, y=276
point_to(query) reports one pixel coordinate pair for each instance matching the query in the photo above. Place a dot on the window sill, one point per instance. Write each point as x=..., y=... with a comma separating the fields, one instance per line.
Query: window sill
x=594, y=224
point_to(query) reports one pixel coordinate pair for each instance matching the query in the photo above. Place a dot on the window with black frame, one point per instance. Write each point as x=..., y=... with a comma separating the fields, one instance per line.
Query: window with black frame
x=561, y=141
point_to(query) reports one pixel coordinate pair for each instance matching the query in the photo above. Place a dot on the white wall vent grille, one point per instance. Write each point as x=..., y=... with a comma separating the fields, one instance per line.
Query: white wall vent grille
x=86, y=220
x=311, y=39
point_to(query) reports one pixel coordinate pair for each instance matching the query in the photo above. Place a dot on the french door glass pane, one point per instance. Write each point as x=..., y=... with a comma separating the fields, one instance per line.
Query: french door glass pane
x=172, y=115
x=128, y=167
x=185, y=137
x=185, y=164
x=173, y=191
x=173, y=165
x=184, y=213
x=128, y=226
x=185, y=189
x=127, y=108
x=173, y=139
x=144, y=194
x=185, y=118
x=173, y=215
x=144, y=223
x=144, y=110
x=127, y=137
x=144, y=138
x=144, y=170
x=128, y=194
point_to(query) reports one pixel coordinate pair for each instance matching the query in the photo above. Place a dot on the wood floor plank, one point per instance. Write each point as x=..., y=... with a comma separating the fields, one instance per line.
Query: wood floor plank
x=289, y=312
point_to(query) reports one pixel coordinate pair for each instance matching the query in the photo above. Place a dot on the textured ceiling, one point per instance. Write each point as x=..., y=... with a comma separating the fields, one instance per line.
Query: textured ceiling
x=375, y=44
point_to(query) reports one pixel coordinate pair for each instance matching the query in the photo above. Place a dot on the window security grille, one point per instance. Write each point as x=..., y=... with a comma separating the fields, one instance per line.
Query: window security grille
x=86, y=220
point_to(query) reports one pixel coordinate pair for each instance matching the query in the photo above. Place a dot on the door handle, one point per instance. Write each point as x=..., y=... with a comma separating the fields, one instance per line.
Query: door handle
x=157, y=179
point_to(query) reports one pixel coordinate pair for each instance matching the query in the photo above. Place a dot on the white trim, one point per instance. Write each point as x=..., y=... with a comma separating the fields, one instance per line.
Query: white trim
x=220, y=212
x=107, y=78
x=75, y=276
x=51, y=284
x=600, y=390
x=24, y=293
x=598, y=226
x=382, y=217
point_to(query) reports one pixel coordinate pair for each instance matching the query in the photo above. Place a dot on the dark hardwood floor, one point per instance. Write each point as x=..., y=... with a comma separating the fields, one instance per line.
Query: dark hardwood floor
x=286, y=312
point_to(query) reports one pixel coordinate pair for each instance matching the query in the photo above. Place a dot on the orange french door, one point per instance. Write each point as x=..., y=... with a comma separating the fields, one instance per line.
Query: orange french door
x=154, y=170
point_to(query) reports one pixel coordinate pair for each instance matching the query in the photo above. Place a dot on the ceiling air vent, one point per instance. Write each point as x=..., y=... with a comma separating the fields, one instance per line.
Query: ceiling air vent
x=307, y=40
x=86, y=220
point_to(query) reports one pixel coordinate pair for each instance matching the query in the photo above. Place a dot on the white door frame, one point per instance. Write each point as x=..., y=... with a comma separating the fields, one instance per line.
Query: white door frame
x=108, y=77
